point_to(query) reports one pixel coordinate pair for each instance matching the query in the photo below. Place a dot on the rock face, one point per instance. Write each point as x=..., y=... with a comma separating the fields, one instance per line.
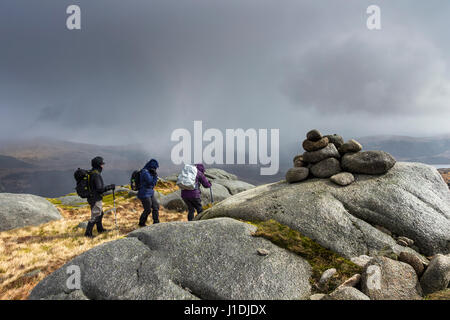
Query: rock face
x=21, y=210
x=387, y=279
x=326, y=168
x=215, y=173
x=437, y=275
x=234, y=186
x=297, y=174
x=367, y=162
x=329, y=151
x=214, y=259
x=173, y=201
x=219, y=193
x=410, y=200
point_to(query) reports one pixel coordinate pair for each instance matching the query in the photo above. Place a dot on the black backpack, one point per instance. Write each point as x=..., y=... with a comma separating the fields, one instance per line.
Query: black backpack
x=135, y=181
x=83, y=177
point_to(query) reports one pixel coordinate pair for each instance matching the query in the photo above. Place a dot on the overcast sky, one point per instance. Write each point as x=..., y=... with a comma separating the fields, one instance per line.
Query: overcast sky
x=137, y=70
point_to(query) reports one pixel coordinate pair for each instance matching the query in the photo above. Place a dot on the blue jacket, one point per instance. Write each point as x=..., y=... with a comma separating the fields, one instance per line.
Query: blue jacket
x=149, y=178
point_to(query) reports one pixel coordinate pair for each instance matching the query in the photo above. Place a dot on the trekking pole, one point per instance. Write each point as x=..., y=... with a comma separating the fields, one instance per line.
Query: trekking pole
x=115, y=210
x=210, y=191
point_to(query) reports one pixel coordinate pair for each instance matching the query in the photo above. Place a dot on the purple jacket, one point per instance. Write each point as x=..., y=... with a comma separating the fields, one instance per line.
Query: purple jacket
x=190, y=194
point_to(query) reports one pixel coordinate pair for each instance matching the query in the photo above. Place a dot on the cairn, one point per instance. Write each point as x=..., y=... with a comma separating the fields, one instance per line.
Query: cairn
x=329, y=157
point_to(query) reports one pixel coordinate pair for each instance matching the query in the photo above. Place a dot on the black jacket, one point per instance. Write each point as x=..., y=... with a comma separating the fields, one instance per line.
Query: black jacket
x=96, y=185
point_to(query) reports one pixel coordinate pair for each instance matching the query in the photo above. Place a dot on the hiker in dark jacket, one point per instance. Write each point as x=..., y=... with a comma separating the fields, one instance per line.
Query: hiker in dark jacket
x=192, y=197
x=97, y=189
x=146, y=194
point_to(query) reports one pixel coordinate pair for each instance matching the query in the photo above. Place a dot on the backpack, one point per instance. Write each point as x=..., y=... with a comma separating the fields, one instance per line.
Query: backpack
x=187, y=179
x=83, y=177
x=135, y=181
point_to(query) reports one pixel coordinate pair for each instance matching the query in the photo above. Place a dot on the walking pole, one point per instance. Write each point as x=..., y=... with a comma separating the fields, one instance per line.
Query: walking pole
x=115, y=213
x=210, y=191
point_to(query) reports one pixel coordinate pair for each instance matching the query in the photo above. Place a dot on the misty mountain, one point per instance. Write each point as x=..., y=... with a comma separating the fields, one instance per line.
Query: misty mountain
x=7, y=162
x=431, y=150
x=45, y=166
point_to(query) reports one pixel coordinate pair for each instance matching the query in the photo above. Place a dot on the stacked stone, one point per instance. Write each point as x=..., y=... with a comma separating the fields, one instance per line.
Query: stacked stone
x=321, y=154
x=329, y=157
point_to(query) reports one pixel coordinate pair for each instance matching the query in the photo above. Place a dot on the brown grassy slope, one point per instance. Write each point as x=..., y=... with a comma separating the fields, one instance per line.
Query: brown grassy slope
x=445, y=174
x=27, y=255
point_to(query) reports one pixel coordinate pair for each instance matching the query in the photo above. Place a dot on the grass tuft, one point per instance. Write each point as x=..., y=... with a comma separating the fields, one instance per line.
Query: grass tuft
x=317, y=256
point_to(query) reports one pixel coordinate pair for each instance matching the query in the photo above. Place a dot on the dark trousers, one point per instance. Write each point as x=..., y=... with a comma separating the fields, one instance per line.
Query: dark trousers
x=193, y=204
x=150, y=205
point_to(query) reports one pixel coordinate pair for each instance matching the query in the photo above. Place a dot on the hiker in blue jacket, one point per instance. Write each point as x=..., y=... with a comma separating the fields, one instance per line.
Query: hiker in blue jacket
x=146, y=194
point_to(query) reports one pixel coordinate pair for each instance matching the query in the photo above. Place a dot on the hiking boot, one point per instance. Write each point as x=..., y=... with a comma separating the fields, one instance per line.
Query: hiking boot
x=100, y=228
x=89, y=228
x=143, y=220
x=99, y=224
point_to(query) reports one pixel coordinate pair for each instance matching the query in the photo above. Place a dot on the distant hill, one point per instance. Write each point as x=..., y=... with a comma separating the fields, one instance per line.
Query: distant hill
x=45, y=166
x=432, y=150
x=7, y=162
x=56, y=154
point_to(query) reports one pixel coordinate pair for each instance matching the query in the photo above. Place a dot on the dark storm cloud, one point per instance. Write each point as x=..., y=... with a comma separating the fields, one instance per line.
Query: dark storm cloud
x=381, y=75
x=139, y=69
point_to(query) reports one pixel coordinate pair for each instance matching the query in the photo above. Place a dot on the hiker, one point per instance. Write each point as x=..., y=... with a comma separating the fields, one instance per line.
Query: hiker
x=96, y=196
x=192, y=197
x=148, y=180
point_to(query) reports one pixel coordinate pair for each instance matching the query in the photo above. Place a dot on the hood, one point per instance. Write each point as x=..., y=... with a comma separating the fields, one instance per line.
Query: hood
x=97, y=162
x=200, y=167
x=152, y=164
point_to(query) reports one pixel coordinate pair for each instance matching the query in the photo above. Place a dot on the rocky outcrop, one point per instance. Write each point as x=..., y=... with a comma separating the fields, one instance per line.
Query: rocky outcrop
x=410, y=200
x=234, y=186
x=21, y=210
x=173, y=201
x=387, y=279
x=215, y=259
x=73, y=201
x=215, y=173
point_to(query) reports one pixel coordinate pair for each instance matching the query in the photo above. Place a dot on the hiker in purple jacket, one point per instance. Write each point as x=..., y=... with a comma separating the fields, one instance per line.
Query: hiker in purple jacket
x=192, y=197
